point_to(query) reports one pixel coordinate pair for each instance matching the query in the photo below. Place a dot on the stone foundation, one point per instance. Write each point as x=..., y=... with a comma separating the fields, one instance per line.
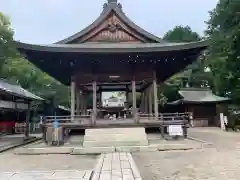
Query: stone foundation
x=115, y=137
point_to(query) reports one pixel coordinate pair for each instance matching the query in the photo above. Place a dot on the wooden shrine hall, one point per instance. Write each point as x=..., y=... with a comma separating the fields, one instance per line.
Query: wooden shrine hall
x=112, y=54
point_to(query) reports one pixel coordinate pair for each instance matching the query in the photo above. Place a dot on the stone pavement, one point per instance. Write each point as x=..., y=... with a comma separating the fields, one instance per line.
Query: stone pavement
x=47, y=175
x=116, y=166
x=221, y=140
x=11, y=141
x=220, y=161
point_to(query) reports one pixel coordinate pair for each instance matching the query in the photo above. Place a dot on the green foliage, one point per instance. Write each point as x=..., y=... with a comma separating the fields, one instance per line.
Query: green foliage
x=181, y=34
x=194, y=74
x=224, y=51
x=16, y=69
x=6, y=40
x=22, y=72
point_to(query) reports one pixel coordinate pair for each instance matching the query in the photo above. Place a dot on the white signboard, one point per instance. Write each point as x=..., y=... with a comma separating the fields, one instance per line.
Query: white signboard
x=222, y=121
x=175, y=130
x=113, y=99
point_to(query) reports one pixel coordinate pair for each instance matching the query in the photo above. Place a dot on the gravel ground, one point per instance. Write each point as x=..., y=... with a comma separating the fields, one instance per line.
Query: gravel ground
x=221, y=161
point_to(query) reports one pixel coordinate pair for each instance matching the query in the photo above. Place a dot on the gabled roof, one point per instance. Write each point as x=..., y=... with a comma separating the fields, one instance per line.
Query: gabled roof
x=198, y=95
x=108, y=8
x=18, y=91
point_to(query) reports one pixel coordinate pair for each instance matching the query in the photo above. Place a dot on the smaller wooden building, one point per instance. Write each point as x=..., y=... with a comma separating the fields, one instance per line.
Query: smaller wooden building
x=203, y=104
x=15, y=106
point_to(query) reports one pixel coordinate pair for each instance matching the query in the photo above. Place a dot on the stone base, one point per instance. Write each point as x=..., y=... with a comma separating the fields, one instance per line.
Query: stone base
x=115, y=137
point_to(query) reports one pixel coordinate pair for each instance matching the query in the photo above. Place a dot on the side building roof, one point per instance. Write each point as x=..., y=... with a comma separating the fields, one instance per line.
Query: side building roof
x=18, y=91
x=198, y=95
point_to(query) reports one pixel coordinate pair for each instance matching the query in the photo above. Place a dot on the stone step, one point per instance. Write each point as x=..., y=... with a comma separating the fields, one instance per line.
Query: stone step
x=115, y=131
x=115, y=137
x=114, y=143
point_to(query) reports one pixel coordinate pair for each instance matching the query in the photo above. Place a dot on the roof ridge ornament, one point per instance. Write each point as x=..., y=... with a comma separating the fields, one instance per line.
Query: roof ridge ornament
x=112, y=3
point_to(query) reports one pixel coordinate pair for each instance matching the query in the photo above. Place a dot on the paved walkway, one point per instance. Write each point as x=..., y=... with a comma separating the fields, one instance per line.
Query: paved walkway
x=116, y=166
x=47, y=175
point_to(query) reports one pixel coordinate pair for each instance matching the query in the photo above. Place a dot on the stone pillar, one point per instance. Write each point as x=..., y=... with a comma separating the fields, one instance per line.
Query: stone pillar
x=78, y=101
x=150, y=95
x=134, y=103
x=155, y=93
x=94, y=111
x=73, y=85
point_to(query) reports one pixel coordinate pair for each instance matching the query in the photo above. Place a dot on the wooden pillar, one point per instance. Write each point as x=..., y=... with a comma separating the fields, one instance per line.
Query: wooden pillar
x=28, y=116
x=145, y=101
x=155, y=94
x=81, y=103
x=134, y=103
x=85, y=103
x=94, y=112
x=142, y=103
x=78, y=101
x=73, y=99
x=127, y=99
x=150, y=95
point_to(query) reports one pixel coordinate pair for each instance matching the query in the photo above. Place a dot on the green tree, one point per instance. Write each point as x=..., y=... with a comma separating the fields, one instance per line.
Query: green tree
x=181, y=34
x=6, y=40
x=194, y=74
x=224, y=51
x=20, y=71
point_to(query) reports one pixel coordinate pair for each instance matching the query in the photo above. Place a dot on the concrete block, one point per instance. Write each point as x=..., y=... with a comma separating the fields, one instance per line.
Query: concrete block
x=150, y=148
x=166, y=147
x=47, y=150
x=92, y=150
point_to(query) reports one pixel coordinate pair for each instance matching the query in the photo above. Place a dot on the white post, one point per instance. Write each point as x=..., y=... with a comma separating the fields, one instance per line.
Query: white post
x=73, y=85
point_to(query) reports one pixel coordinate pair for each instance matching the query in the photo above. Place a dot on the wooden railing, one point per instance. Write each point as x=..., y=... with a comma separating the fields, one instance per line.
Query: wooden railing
x=166, y=116
x=66, y=119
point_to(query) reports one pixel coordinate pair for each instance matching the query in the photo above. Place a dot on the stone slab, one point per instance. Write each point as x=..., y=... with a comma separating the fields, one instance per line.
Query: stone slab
x=168, y=147
x=47, y=175
x=92, y=150
x=47, y=150
x=116, y=166
x=149, y=148
x=8, y=143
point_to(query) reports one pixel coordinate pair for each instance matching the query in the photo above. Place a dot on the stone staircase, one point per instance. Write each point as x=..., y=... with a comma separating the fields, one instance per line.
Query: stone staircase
x=113, y=137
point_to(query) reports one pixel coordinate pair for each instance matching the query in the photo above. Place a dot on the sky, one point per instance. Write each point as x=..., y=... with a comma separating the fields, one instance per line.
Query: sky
x=48, y=21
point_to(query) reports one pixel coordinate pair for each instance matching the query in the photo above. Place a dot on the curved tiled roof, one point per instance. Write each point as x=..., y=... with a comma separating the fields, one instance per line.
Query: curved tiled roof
x=112, y=6
x=113, y=47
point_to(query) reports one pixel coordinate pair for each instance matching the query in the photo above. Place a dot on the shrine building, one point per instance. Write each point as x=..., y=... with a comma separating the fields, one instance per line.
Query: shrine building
x=112, y=54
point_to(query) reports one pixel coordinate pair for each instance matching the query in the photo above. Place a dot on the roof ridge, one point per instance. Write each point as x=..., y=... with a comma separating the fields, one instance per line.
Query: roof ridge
x=112, y=5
